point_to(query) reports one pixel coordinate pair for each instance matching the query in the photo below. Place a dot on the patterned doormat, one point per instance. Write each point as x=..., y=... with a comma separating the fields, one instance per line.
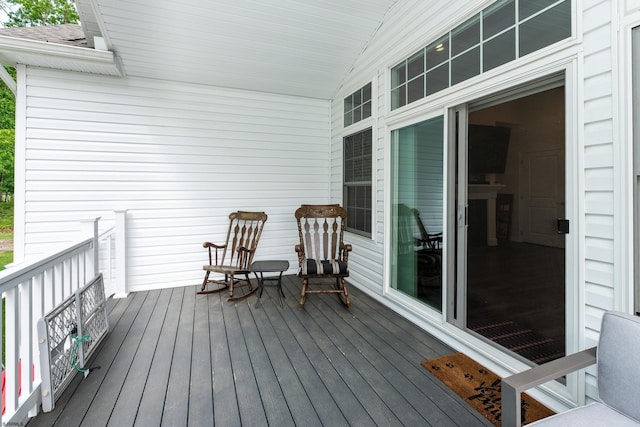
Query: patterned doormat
x=480, y=387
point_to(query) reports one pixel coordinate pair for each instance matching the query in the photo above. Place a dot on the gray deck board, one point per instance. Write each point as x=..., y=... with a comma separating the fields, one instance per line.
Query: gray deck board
x=225, y=404
x=201, y=385
x=176, y=404
x=176, y=358
x=157, y=383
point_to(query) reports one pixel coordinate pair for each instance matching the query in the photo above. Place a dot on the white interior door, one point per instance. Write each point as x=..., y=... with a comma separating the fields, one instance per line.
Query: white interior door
x=542, y=191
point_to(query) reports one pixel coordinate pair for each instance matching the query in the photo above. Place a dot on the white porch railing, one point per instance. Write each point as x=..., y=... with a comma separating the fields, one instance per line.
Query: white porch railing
x=31, y=290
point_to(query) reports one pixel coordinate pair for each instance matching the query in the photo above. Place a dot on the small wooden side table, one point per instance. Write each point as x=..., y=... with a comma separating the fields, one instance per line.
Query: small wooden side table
x=272, y=266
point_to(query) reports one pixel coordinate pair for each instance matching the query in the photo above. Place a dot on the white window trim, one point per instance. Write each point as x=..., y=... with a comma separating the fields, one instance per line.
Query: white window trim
x=369, y=122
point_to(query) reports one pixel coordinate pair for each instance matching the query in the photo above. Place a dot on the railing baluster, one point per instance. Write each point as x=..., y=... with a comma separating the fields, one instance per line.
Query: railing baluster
x=39, y=310
x=25, y=315
x=11, y=355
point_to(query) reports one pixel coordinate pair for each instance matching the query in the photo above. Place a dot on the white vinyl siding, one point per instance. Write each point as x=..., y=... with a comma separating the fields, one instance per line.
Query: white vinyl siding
x=178, y=157
x=601, y=268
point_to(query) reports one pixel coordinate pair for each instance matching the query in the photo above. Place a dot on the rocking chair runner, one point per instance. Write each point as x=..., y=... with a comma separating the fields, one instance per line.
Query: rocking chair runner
x=322, y=252
x=235, y=256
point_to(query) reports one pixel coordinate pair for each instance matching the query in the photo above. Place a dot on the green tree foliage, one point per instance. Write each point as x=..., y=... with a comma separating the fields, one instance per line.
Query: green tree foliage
x=7, y=139
x=30, y=13
x=7, y=155
x=7, y=104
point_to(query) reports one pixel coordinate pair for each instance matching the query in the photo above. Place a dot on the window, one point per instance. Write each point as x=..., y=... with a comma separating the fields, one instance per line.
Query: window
x=357, y=182
x=502, y=32
x=357, y=106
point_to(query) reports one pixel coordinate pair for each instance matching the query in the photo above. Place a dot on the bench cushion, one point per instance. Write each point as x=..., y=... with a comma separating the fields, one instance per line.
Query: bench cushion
x=618, y=361
x=594, y=414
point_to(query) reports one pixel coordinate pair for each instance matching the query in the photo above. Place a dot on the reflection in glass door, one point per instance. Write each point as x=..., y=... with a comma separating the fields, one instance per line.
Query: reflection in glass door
x=417, y=210
x=515, y=254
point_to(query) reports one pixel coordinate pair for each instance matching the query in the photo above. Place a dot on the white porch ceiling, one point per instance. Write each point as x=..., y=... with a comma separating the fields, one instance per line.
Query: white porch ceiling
x=294, y=47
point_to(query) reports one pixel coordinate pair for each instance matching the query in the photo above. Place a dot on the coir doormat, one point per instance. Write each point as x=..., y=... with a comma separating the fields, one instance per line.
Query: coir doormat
x=480, y=387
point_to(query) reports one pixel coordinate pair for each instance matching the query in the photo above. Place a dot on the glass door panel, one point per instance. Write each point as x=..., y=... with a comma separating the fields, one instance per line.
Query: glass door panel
x=417, y=210
x=515, y=256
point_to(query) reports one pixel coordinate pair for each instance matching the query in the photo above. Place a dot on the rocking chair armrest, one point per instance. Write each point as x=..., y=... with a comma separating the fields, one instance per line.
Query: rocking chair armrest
x=212, y=245
x=299, y=249
x=346, y=247
x=208, y=246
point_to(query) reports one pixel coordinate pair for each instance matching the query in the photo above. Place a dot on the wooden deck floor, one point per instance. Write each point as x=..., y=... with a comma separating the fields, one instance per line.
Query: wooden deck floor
x=174, y=358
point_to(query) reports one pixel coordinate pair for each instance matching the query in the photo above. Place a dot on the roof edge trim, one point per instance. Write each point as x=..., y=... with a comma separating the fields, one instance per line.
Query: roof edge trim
x=32, y=52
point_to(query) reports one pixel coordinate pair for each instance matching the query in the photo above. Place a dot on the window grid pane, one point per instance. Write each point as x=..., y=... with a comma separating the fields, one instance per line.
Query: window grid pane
x=499, y=50
x=437, y=53
x=465, y=66
x=498, y=18
x=465, y=36
x=541, y=23
x=545, y=29
x=357, y=181
x=355, y=105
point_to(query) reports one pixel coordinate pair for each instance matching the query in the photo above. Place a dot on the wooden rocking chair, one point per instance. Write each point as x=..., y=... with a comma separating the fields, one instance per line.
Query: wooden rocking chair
x=322, y=252
x=235, y=256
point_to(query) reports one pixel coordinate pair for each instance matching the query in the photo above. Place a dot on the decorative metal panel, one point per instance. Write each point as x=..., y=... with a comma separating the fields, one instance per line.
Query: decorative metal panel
x=68, y=336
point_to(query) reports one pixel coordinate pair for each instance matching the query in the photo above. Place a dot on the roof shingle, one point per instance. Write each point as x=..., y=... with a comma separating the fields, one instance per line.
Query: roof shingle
x=65, y=34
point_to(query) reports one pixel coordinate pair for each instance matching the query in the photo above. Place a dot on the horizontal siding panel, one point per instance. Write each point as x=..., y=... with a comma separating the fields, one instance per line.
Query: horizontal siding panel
x=598, y=156
x=597, y=63
x=143, y=161
x=599, y=296
x=598, y=86
x=159, y=167
x=599, y=226
x=161, y=128
x=224, y=137
x=598, y=39
x=599, y=179
x=600, y=203
x=84, y=179
x=599, y=250
x=598, y=109
x=191, y=120
x=597, y=133
x=632, y=5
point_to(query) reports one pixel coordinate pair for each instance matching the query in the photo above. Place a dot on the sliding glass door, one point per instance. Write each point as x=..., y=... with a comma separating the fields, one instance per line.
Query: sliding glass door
x=417, y=179
x=511, y=245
